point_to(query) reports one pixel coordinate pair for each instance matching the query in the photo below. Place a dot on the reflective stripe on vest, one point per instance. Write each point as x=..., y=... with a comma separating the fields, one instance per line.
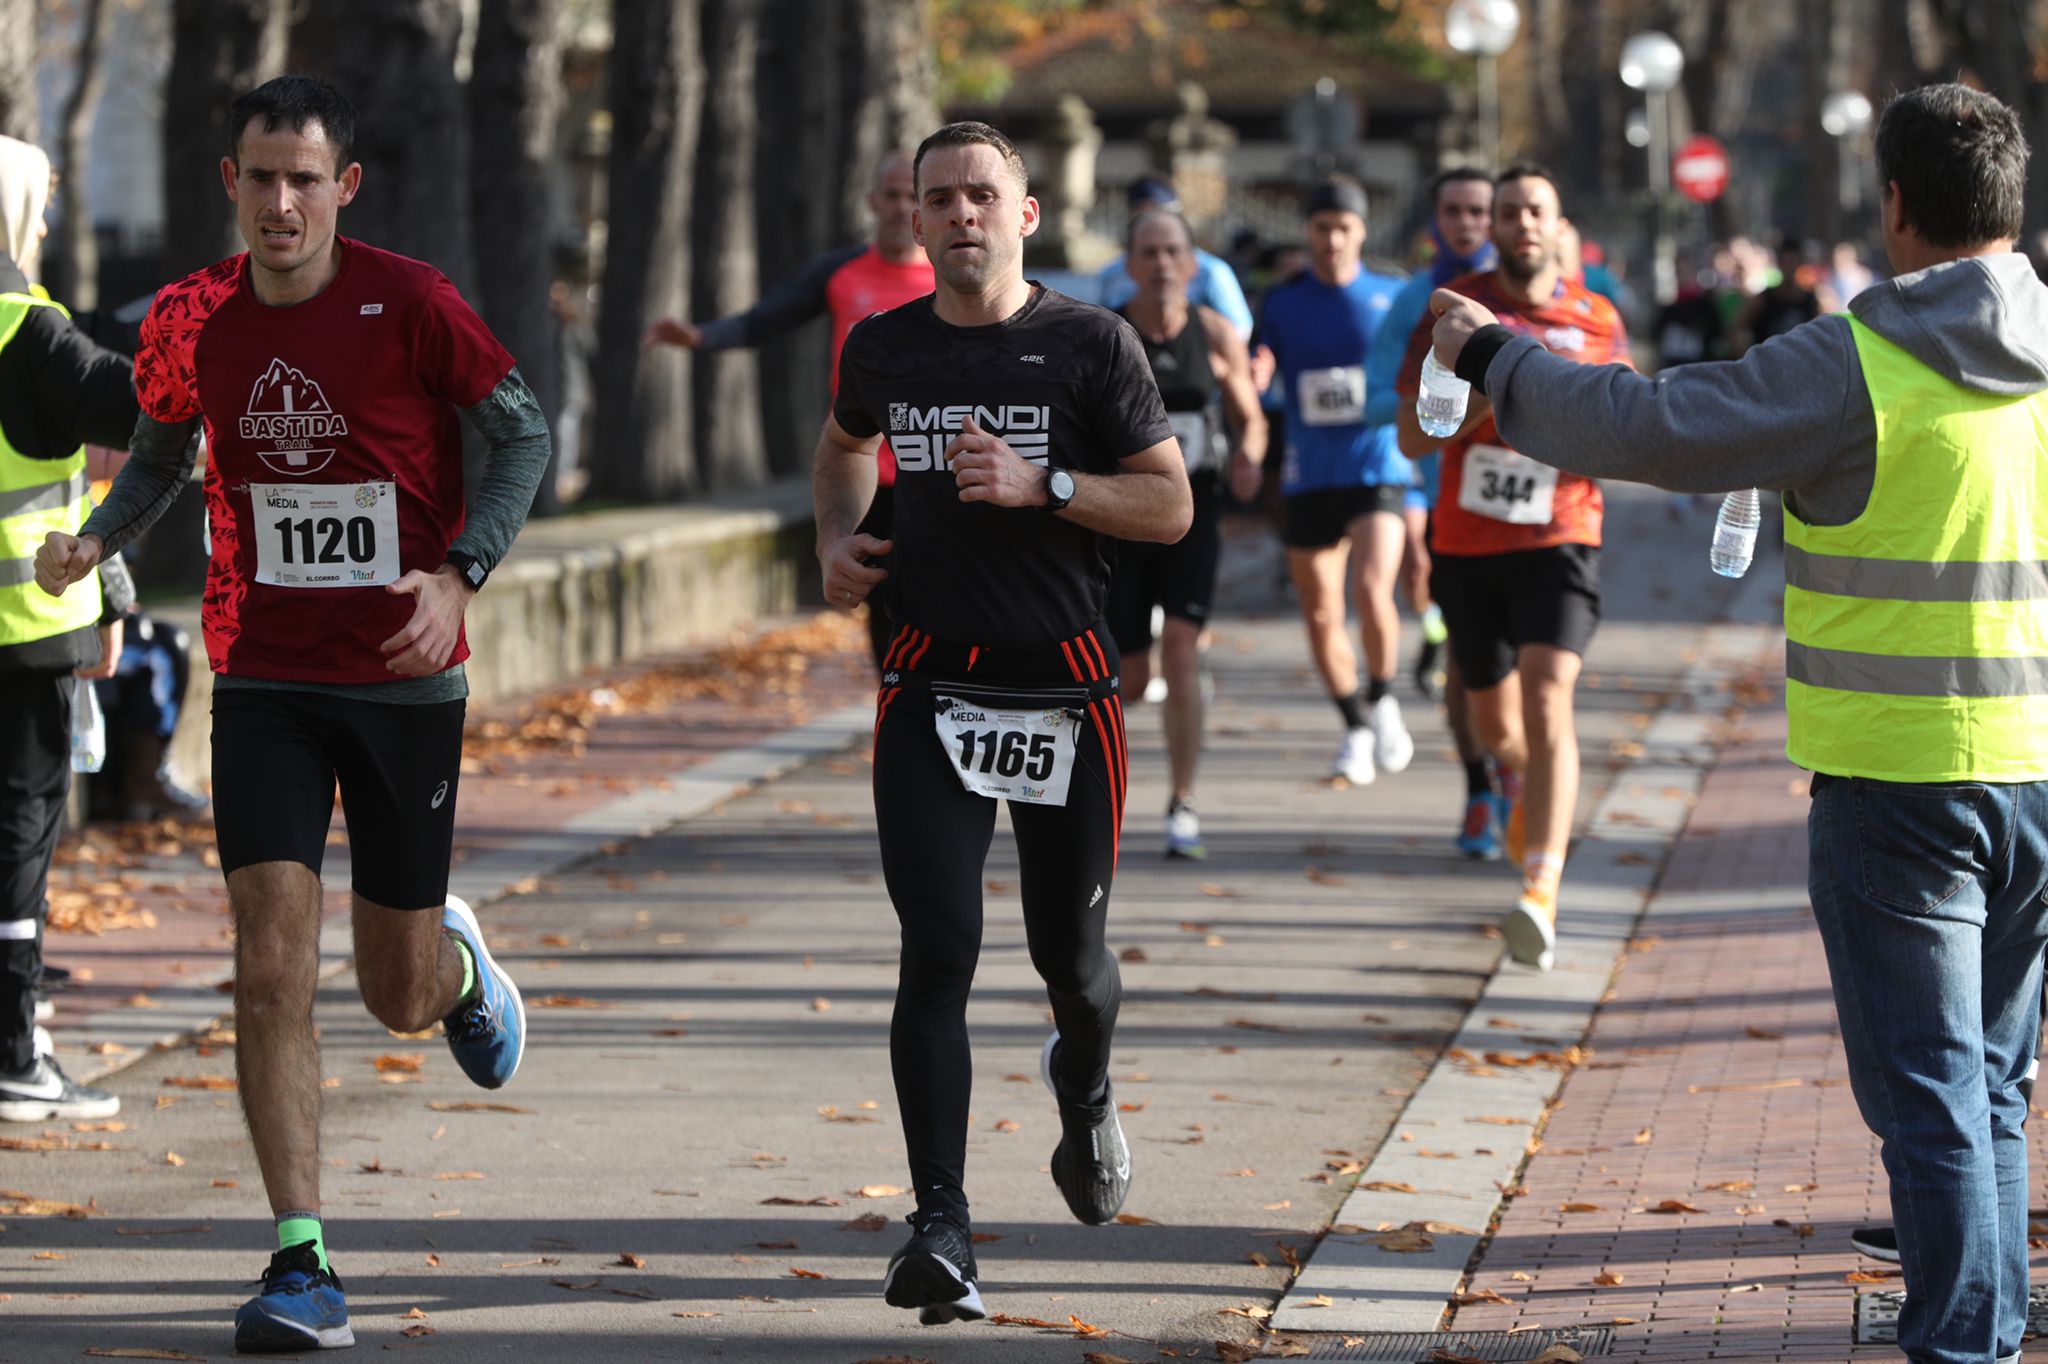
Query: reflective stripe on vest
x=1917, y=634
x=38, y=496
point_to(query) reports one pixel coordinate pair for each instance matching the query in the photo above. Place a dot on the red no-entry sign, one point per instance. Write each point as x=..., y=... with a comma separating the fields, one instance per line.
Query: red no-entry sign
x=1700, y=169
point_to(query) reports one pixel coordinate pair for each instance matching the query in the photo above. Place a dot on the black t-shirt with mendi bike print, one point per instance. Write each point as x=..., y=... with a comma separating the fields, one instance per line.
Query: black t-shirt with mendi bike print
x=1066, y=384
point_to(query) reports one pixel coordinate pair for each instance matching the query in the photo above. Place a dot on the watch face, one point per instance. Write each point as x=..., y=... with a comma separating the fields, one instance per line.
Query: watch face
x=1061, y=484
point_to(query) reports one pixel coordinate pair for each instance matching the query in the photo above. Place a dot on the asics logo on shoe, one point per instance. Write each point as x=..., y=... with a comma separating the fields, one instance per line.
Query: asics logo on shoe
x=440, y=794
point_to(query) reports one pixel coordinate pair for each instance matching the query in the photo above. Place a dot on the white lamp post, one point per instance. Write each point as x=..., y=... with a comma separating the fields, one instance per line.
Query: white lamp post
x=1484, y=29
x=1846, y=115
x=1652, y=63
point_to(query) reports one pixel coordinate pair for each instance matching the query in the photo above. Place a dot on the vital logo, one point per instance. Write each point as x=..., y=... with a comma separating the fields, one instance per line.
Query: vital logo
x=919, y=435
x=289, y=411
x=1034, y=793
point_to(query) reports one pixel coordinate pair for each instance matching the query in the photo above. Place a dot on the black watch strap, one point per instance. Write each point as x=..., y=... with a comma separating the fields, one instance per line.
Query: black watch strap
x=470, y=567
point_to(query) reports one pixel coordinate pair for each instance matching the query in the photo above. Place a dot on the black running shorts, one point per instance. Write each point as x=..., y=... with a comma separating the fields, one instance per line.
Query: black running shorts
x=277, y=756
x=1496, y=603
x=1179, y=578
x=1320, y=517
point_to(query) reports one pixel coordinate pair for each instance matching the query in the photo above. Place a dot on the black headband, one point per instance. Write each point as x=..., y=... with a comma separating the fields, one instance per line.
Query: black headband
x=1328, y=196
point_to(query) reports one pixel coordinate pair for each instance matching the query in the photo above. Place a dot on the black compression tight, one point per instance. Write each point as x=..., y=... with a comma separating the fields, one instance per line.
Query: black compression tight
x=935, y=838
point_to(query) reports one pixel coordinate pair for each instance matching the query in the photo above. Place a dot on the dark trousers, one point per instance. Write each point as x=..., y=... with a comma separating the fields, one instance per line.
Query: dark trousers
x=35, y=777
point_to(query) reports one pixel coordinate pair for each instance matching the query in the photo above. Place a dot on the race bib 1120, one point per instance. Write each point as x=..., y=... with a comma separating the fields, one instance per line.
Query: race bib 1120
x=326, y=534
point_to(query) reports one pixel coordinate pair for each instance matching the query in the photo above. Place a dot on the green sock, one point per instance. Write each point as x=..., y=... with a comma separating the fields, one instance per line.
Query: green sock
x=296, y=1228
x=468, y=968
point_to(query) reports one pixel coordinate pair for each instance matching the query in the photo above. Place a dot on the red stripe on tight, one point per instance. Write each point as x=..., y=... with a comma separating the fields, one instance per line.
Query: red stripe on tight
x=895, y=647
x=1100, y=657
x=973, y=654
x=1072, y=663
x=1123, y=742
x=918, y=657
x=883, y=709
x=1116, y=803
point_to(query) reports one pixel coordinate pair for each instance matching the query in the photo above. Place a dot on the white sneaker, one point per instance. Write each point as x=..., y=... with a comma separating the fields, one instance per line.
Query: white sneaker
x=1155, y=690
x=1392, y=749
x=1354, y=760
x=45, y=1045
x=1184, y=833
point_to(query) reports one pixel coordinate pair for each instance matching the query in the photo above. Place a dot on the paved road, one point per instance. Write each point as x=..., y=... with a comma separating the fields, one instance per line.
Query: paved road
x=709, y=1032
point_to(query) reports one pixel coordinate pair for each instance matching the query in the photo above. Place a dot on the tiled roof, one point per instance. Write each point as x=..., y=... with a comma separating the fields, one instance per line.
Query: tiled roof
x=1127, y=62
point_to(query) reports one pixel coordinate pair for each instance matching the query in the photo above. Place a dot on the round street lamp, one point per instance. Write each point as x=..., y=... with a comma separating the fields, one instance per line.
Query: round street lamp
x=1845, y=115
x=1652, y=63
x=1484, y=29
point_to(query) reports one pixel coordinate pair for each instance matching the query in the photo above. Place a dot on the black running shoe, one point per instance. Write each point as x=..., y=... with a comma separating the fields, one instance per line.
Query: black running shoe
x=934, y=1272
x=1879, y=1243
x=44, y=1093
x=1092, y=1163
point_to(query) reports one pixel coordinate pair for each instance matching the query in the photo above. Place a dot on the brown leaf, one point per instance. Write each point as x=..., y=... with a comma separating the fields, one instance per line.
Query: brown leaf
x=399, y=1063
x=17, y=1204
x=1388, y=1186
x=1036, y=1323
x=1134, y=955
x=1500, y=1121
x=1559, y=1354
x=476, y=1106
x=628, y=1260
x=1131, y=1219
x=867, y=1221
x=821, y=1201
x=1674, y=1205
x=1735, y=1185
x=1326, y=878
x=1234, y=1352
x=1254, y=1025
x=806, y=1273
x=571, y=1002
x=1642, y=1138
x=1764, y=1034
x=1258, y=1260
x=1083, y=1329
x=1477, y=1295
x=462, y=1174
x=576, y=1287
x=414, y=1315
x=821, y=1005
x=878, y=1191
x=1404, y=1242
x=172, y=1158
x=1870, y=1275
x=1579, y=1207
x=416, y=1331
x=200, y=1081
x=1607, y=1278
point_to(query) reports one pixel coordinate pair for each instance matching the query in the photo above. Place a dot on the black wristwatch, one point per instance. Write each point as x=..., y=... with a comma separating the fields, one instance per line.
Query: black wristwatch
x=473, y=572
x=1059, y=490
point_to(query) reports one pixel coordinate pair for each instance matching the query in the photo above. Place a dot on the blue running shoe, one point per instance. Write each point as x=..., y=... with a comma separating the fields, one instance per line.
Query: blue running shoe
x=1478, y=839
x=488, y=1034
x=300, y=1308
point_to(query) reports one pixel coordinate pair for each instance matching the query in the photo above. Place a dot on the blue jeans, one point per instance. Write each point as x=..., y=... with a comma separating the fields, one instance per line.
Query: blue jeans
x=1930, y=904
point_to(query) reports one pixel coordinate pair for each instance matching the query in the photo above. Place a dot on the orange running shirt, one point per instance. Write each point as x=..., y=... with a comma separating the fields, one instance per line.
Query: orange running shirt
x=1576, y=324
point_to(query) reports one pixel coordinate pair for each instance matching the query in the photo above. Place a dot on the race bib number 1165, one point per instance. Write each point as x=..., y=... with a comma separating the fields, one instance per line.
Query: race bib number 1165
x=1022, y=755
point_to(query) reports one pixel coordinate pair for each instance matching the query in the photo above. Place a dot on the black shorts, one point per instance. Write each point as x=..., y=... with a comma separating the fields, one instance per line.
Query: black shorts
x=1179, y=578
x=1320, y=517
x=1496, y=603
x=277, y=756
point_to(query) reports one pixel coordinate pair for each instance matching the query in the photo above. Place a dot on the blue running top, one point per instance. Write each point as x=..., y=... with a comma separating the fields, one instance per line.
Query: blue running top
x=1321, y=334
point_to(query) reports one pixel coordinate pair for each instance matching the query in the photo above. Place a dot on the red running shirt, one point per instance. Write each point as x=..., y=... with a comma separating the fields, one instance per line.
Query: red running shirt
x=334, y=452
x=1576, y=324
x=866, y=285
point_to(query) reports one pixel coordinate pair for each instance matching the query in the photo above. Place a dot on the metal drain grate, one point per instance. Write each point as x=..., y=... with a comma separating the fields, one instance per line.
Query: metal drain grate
x=1877, y=1316
x=1416, y=1347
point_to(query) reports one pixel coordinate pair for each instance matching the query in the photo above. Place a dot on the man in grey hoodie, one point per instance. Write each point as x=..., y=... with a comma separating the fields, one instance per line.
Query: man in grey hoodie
x=1908, y=440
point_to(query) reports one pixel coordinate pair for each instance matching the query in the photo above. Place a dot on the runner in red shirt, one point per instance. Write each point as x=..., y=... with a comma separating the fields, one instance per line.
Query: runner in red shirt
x=1516, y=548
x=849, y=282
x=328, y=375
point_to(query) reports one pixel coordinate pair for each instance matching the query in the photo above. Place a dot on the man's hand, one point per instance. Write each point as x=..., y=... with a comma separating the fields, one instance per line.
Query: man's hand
x=848, y=575
x=1245, y=479
x=1457, y=317
x=1264, y=363
x=986, y=469
x=672, y=331
x=66, y=559
x=421, y=649
x=110, y=653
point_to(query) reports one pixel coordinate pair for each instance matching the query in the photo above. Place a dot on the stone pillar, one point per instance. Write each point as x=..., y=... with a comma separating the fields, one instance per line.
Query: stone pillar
x=1066, y=191
x=1192, y=150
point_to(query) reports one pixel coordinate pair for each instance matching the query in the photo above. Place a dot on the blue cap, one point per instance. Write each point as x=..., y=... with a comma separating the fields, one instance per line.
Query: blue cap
x=1151, y=192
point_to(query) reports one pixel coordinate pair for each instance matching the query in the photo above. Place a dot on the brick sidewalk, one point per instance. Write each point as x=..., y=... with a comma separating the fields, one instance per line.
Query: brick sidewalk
x=139, y=912
x=1716, y=1081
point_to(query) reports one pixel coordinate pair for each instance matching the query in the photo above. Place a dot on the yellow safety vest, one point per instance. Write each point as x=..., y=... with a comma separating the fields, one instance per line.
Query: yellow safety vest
x=1916, y=636
x=38, y=496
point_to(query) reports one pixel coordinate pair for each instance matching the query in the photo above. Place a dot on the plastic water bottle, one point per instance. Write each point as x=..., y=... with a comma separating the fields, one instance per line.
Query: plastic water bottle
x=1735, y=534
x=88, y=727
x=1440, y=406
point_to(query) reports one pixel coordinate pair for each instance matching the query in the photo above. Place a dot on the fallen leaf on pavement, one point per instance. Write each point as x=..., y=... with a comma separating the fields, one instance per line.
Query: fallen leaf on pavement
x=48, y=1255
x=1642, y=1138
x=1500, y=1121
x=172, y=1158
x=399, y=1063
x=1255, y=1025
x=570, y=1002
x=1671, y=1205
x=1579, y=1207
x=1735, y=1186
x=821, y=1201
x=1559, y=1354
x=1319, y=1300
x=628, y=1260
x=1037, y=1323
x=1388, y=1186
x=821, y=1005
x=414, y=1315
x=1764, y=1034
x=1607, y=1278
x=1083, y=1329
x=1234, y=1352
x=577, y=1287
x=1404, y=1242
x=476, y=1106
x=462, y=1174
x=416, y=1331
x=17, y=1204
x=1476, y=1295
x=806, y=1273
x=878, y=1191
x=1131, y=1219
x=200, y=1081
x=867, y=1221
x=1870, y=1275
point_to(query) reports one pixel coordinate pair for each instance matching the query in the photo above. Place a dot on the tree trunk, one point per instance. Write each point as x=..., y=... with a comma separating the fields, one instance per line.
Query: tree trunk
x=219, y=49
x=1999, y=43
x=890, y=73
x=1821, y=209
x=515, y=102
x=395, y=61
x=798, y=178
x=645, y=448
x=19, y=115
x=726, y=275
x=75, y=278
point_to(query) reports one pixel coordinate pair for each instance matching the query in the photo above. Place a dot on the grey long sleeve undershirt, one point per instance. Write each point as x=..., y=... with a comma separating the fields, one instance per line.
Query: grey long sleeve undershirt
x=509, y=419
